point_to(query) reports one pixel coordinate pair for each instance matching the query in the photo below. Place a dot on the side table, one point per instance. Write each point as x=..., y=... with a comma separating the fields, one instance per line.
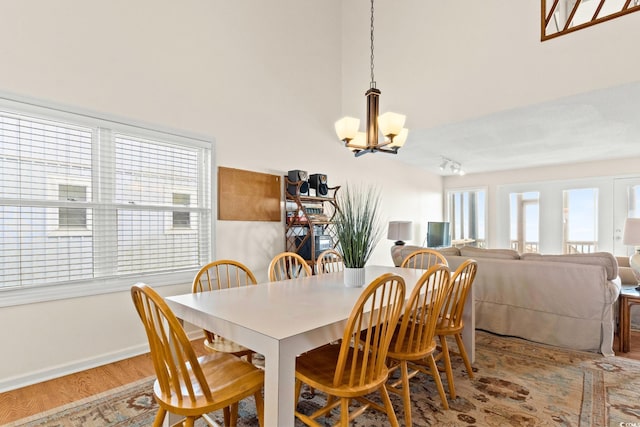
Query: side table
x=628, y=296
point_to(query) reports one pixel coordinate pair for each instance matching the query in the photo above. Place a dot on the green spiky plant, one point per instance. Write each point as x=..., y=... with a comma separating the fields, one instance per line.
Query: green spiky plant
x=358, y=225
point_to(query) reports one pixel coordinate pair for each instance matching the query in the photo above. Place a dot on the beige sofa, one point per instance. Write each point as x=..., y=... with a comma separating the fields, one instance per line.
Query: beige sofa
x=562, y=300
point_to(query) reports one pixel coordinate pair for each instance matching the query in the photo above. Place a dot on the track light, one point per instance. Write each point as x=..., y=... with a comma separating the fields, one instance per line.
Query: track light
x=454, y=167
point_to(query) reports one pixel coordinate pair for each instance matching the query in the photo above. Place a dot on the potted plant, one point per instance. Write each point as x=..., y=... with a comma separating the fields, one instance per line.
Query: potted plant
x=358, y=230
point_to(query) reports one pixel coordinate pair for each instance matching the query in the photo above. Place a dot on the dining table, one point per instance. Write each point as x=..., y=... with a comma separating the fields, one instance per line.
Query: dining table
x=283, y=319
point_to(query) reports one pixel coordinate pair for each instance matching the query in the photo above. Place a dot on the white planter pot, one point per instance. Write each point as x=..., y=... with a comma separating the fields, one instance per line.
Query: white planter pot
x=354, y=277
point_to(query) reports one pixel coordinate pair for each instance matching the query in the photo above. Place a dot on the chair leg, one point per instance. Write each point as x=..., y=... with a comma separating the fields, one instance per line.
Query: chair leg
x=436, y=378
x=189, y=421
x=344, y=411
x=447, y=365
x=233, y=419
x=463, y=353
x=259, y=407
x=393, y=420
x=226, y=415
x=404, y=372
x=159, y=420
x=296, y=391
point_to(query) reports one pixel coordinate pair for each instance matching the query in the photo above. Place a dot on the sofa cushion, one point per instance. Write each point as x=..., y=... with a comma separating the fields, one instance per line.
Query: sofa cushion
x=399, y=253
x=472, y=252
x=605, y=259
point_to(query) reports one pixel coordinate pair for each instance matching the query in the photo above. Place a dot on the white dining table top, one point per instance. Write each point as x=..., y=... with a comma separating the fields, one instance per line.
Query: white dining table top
x=287, y=308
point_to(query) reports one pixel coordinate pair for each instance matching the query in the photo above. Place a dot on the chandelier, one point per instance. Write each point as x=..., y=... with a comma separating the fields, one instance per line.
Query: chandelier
x=391, y=125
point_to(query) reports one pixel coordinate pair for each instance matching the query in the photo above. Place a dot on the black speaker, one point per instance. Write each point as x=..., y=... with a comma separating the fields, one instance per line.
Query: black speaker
x=318, y=181
x=297, y=176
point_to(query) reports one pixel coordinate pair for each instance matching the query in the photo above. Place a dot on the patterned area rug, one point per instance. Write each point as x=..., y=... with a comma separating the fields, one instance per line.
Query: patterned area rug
x=517, y=383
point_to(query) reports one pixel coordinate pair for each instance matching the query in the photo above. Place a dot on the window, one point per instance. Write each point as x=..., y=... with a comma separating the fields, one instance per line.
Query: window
x=87, y=202
x=570, y=15
x=634, y=201
x=580, y=221
x=181, y=219
x=467, y=210
x=524, y=214
x=72, y=218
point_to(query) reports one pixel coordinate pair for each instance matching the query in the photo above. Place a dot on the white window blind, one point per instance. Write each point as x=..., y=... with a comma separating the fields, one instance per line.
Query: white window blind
x=84, y=200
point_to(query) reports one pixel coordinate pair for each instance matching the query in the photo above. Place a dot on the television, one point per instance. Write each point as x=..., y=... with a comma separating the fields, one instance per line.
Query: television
x=438, y=235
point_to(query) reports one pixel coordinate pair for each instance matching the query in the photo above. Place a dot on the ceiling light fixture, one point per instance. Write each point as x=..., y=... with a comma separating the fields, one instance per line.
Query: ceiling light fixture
x=454, y=167
x=390, y=124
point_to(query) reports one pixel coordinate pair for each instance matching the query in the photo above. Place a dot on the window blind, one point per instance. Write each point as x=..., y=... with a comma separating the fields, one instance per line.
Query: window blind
x=85, y=200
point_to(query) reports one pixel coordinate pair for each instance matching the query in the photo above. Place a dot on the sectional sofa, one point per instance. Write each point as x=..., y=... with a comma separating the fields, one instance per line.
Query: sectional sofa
x=561, y=300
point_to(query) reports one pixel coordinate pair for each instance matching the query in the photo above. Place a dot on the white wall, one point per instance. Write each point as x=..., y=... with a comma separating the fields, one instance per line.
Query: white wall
x=261, y=78
x=443, y=62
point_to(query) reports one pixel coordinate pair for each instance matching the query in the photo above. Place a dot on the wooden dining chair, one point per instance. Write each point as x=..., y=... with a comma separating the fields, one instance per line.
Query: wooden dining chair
x=217, y=275
x=356, y=367
x=423, y=259
x=329, y=261
x=288, y=265
x=451, y=322
x=414, y=343
x=188, y=385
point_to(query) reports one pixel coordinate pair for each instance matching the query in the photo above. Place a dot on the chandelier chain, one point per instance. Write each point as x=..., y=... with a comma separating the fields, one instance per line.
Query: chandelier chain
x=373, y=80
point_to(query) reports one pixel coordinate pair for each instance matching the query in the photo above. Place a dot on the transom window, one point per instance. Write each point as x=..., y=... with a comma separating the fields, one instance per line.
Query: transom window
x=91, y=204
x=565, y=16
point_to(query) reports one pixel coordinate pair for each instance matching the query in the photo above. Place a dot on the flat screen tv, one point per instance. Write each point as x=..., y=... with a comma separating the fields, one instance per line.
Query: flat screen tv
x=438, y=235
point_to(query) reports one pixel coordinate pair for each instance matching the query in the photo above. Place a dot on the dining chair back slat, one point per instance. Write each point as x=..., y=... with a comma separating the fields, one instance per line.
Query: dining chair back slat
x=423, y=259
x=329, y=261
x=288, y=265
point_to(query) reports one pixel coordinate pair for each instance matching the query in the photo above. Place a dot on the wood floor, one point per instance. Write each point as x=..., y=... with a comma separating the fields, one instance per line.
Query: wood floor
x=30, y=400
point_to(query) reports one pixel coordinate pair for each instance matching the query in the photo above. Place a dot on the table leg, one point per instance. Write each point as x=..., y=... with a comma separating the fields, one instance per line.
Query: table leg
x=279, y=385
x=469, y=331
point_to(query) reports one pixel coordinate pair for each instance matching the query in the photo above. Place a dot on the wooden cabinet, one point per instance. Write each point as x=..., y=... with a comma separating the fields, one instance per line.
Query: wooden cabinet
x=309, y=227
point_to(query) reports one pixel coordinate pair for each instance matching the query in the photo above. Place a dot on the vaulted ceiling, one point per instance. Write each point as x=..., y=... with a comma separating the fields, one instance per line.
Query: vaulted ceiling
x=479, y=86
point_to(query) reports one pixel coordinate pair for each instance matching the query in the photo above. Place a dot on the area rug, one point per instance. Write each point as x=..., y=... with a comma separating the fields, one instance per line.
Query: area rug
x=517, y=383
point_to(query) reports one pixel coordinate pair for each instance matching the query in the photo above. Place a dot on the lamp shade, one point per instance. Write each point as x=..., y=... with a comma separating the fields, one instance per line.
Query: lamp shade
x=359, y=141
x=399, y=231
x=347, y=128
x=631, y=235
x=399, y=140
x=391, y=123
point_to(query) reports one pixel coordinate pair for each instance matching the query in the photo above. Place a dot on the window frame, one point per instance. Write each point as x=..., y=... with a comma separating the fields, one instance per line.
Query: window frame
x=448, y=214
x=45, y=110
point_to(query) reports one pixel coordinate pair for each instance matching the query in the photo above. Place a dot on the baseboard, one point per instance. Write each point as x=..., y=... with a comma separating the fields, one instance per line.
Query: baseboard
x=36, y=377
